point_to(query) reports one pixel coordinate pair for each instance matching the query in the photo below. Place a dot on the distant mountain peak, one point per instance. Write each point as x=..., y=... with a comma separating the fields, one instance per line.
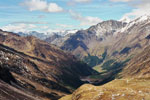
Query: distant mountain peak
x=106, y=28
x=125, y=19
x=140, y=20
x=45, y=35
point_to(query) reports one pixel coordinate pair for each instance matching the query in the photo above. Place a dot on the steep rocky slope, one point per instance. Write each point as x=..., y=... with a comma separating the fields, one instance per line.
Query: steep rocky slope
x=133, y=39
x=40, y=68
x=84, y=42
x=139, y=66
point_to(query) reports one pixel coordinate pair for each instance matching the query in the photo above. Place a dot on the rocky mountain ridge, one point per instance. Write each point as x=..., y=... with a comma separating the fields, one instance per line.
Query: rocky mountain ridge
x=120, y=40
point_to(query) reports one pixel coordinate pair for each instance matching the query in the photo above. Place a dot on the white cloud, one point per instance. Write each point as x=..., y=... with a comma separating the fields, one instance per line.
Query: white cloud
x=82, y=1
x=138, y=12
x=85, y=21
x=53, y=7
x=30, y=22
x=44, y=27
x=73, y=2
x=18, y=27
x=64, y=26
x=53, y=30
x=141, y=7
x=121, y=0
x=41, y=5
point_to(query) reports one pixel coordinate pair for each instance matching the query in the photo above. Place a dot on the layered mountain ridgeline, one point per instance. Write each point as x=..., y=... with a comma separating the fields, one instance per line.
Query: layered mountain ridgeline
x=38, y=68
x=133, y=83
x=59, y=38
x=109, y=41
x=92, y=45
x=46, y=35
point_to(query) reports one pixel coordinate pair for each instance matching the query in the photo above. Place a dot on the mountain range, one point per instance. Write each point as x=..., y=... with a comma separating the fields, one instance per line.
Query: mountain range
x=108, y=40
x=113, y=55
x=45, y=35
x=130, y=45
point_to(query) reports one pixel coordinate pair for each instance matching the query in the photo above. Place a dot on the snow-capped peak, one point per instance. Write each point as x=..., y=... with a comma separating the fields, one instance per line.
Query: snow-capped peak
x=49, y=33
x=66, y=32
x=125, y=19
x=136, y=21
x=142, y=18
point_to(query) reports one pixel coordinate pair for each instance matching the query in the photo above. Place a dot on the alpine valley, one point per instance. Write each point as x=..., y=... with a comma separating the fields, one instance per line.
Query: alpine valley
x=119, y=51
x=107, y=61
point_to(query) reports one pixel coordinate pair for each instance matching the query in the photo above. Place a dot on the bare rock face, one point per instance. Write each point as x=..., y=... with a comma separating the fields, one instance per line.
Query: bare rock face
x=38, y=68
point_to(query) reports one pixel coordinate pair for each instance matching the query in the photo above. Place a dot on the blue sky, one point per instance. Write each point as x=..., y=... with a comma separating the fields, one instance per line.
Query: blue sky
x=49, y=15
